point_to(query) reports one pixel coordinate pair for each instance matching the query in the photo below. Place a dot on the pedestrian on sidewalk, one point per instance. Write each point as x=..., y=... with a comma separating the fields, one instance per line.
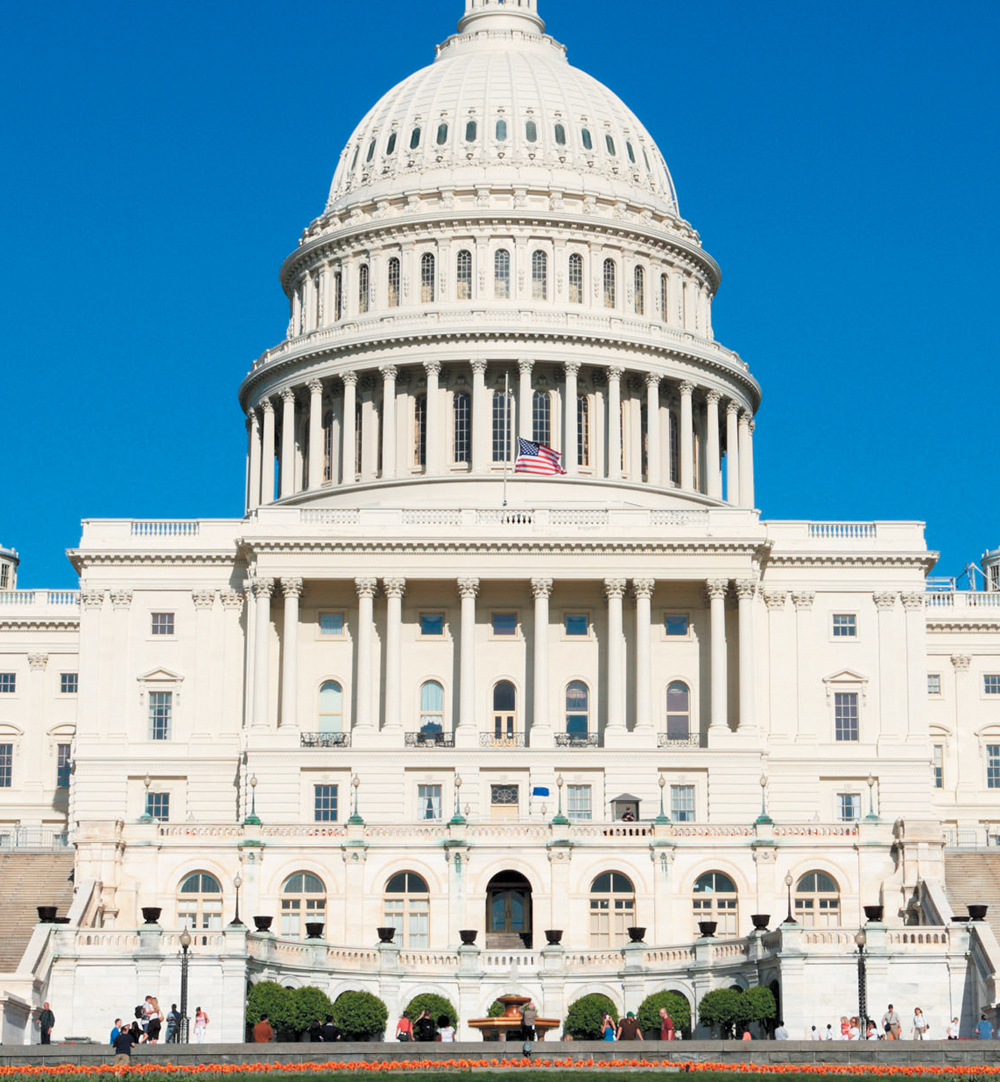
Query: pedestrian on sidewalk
x=891, y=1023
x=46, y=1023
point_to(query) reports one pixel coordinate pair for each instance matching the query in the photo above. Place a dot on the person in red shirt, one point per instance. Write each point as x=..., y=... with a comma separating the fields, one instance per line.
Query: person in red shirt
x=666, y=1026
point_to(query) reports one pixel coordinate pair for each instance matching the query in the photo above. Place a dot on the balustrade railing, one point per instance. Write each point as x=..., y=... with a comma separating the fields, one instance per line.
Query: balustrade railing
x=508, y=740
x=576, y=740
x=325, y=740
x=36, y=598
x=17, y=837
x=665, y=740
x=429, y=740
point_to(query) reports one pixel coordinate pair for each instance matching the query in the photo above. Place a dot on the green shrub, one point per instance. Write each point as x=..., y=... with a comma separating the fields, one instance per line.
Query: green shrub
x=497, y=1008
x=721, y=1009
x=360, y=1016
x=309, y=1004
x=583, y=1019
x=677, y=1006
x=437, y=1005
x=270, y=998
x=758, y=1006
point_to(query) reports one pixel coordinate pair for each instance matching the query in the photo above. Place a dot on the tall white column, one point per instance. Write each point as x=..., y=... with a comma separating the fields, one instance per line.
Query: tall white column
x=316, y=450
x=732, y=454
x=524, y=411
x=653, y=428
x=253, y=485
x=746, y=476
x=468, y=588
x=714, y=465
x=570, y=421
x=719, y=716
x=480, y=418
x=394, y=590
x=643, y=670
x=388, y=420
x=615, y=421
x=745, y=589
x=363, y=678
x=292, y=589
x=262, y=588
x=287, y=442
x=748, y=464
x=615, y=590
x=348, y=458
x=541, y=727
x=267, y=454
x=436, y=438
x=687, y=437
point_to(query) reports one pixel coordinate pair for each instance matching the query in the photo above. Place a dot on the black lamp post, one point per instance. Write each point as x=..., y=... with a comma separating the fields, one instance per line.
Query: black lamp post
x=560, y=818
x=861, y=939
x=788, y=884
x=182, y=1025
x=237, y=883
x=252, y=819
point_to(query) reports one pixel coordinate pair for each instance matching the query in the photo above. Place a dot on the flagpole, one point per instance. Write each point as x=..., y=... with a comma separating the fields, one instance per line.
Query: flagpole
x=506, y=432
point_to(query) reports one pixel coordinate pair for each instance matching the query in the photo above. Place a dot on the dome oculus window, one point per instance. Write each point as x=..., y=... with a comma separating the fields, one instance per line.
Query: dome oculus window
x=531, y=131
x=501, y=130
x=414, y=139
x=588, y=143
x=390, y=147
x=471, y=129
x=560, y=135
x=442, y=135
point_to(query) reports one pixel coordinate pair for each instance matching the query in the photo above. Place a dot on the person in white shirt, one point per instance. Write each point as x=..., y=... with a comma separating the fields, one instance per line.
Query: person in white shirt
x=952, y=1030
x=919, y=1024
x=814, y=1034
x=854, y=1032
x=828, y=1036
x=446, y=1031
x=781, y=1034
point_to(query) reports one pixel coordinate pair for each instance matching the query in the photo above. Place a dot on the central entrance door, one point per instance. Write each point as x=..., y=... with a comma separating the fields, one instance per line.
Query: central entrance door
x=508, y=911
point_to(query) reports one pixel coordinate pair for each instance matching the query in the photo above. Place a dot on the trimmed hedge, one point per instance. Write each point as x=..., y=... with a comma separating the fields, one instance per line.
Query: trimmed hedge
x=583, y=1019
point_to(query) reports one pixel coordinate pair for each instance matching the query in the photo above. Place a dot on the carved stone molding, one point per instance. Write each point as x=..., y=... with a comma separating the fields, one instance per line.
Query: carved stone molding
x=686, y=387
x=38, y=662
x=92, y=599
x=266, y=405
x=292, y=587
x=962, y=662
x=653, y=380
x=478, y=365
x=803, y=599
x=884, y=600
x=615, y=371
x=349, y=379
x=394, y=587
x=541, y=588
x=203, y=599
x=614, y=588
x=432, y=368
x=288, y=395
x=121, y=599
x=716, y=588
x=713, y=397
x=315, y=386
x=912, y=601
x=524, y=366
x=388, y=372
x=231, y=599
x=572, y=368
x=644, y=587
x=733, y=407
x=775, y=599
x=468, y=587
x=366, y=587
x=745, y=589
x=262, y=587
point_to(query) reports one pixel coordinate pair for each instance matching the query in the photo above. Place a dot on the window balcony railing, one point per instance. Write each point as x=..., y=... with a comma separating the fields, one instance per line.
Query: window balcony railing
x=507, y=740
x=325, y=740
x=576, y=740
x=430, y=740
x=665, y=740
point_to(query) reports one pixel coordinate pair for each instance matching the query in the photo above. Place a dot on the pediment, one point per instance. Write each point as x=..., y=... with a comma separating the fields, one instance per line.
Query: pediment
x=160, y=676
x=846, y=679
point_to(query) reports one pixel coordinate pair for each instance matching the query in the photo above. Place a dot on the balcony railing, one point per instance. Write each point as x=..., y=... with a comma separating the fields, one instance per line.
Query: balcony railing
x=665, y=740
x=430, y=740
x=576, y=740
x=325, y=740
x=510, y=740
x=17, y=837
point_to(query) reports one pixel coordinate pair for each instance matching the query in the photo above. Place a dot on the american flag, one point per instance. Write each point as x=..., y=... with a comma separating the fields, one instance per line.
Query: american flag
x=536, y=458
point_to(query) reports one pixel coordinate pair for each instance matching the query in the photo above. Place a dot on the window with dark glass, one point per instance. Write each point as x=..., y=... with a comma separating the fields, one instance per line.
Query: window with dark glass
x=610, y=291
x=414, y=139
x=63, y=764
x=678, y=711
x=588, y=143
x=463, y=275
x=363, y=288
x=371, y=151
x=504, y=624
x=160, y=714
x=576, y=623
x=539, y=275
x=442, y=135
x=393, y=276
x=6, y=765
x=640, y=291
x=576, y=278
x=325, y=803
x=470, y=131
x=664, y=308
x=583, y=430
x=390, y=147
x=541, y=417
x=577, y=708
x=531, y=131
x=502, y=403
x=426, y=277
x=420, y=430
x=501, y=274
x=501, y=130
x=610, y=143
x=462, y=409
x=560, y=135
x=69, y=683
x=158, y=806
x=631, y=152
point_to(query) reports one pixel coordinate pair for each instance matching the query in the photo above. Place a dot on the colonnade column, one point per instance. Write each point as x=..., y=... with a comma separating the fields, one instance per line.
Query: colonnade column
x=479, y=416
x=434, y=458
x=388, y=420
x=570, y=422
x=615, y=421
x=719, y=717
x=287, y=486
x=541, y=730
x=348, y=472
x=746, y=477
x=262, y=588
x=292, y=589
x=315, y=478
x=394, y=590
x=687, y=436
x=714, y=464
x=524, y=404
x=253, y=483
x=468, y=588
x=748, y=463
x=745, y=590
x=615, y=590
x=732, y=454
x=363, y=678
x=652, y=428
x=267, y=454
x=643, y=626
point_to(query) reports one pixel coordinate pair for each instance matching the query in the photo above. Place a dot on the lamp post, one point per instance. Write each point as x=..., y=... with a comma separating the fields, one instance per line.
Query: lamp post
x=559, y=817
x=661, y=781
x=458, y=817
x=355, y=817
x=182, y=1025
x=871, y=816
x=237, y=883
x=763, y=817
x=252, y=819
x=788, y=884
x=146, y=817
x=861, y=939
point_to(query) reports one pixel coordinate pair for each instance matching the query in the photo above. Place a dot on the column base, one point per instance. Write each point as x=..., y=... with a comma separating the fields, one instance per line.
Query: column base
x=466, y=737
x=541, y=736
x=618, y=738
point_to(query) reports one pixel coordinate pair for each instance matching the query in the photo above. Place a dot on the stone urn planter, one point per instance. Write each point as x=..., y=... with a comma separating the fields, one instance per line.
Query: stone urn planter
x=314, y=929
x=385, y=934
x=977, y=912
x=263, y=924
x=553, y=936
x=468, y=936
x=760, y=921
x=151, y=914
x=636, y=934
x=47, y=913
x=874, y=913
x=707, y=928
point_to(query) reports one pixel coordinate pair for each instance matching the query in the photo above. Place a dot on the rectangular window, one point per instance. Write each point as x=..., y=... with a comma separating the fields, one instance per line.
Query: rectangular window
x=463, y=432
x=991, y=684
x=161, y=707
x=848, y=807
x=432, y=623
x=504, y=624
x=63, y=762
x=6, y=765
x=845, y=625
x=576, y=623
x=676, y=623
x=428, y=801
x=502, y=412
x=69, y=683
x=158, y=806
x=682, y=803
x=845, y=712
x=331, y=624
x=325, y=803
x=4, y=576
x=578, y=804
x=938, y=766
x=420, y=430
x=163, y=623
x=992, y=766
x=933, y=683
x=8, y=683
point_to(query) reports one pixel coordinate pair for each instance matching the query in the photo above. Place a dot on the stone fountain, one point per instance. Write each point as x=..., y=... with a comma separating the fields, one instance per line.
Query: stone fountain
x=500, y=1027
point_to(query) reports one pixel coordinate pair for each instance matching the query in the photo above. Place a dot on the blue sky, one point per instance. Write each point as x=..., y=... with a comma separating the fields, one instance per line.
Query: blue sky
x=840, y=161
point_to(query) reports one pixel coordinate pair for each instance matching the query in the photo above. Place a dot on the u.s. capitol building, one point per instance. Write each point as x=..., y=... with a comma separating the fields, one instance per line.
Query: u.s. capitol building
x=413, y=689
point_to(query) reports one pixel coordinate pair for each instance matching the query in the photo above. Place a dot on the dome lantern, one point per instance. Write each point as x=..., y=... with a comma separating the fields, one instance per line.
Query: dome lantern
x=501, y=15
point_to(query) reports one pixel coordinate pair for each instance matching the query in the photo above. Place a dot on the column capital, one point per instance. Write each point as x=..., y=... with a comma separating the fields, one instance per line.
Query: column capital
x=572, y=368
x=644, y=587
x=468, y=587
x=541, y=588
x=525, y=365
x=203, y=599
x=884, y=600
x=653, y=380
x=713, y=398
x=252, y=419
x=615, y=588
x=752, y=425
x=615, y=371
x=745, y=417
x=262, y=587
x=92, y=599
x=38, y=662
x=478, y=365
x=394, y=587
x=366, y=587
x=388, y=372
x=121, y=599
x=266, y=405
x=686, y=387
x=803, y=599
x=962, y=662
x=432, y=368
x=913, y=600
x=716, y=588
x=231, y=599
x=745, y=589
x=315, y=386
x=288, y=395
x=349, y=379
x=733, y=408
x=292, y=587
x=775, y=599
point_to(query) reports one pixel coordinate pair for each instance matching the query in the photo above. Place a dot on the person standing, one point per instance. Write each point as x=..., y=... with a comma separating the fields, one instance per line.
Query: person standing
x=173, y=1024
x=666, y=1025
x=919, y=1024
x=953, y=1030
x=200, y=1025
x=607, y=1027
x=123, y=1047
x=115, y=1030
x=891, y=1023
x=424, y=1028
x=446, y=1031
x=528, y=1017
x=46, y=1023
x=828, y=1035
x=984, y=1028
x=781, y=1034
x=263, y=1032
x=628, y=1028
x=404, y=1029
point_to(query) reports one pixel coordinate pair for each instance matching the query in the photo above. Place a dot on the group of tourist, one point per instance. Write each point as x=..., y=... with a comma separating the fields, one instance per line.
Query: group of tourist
x=424, y=1028
x=147, y=1025
x=891, y=1028
x=627, y=1028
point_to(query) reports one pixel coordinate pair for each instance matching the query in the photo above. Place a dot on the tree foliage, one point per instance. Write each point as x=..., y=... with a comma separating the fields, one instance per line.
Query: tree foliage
x=430, y=1001
x=758, y=1005
x=720, y=1009
x=497, y=1008
x=360, y=1016
x=583, y=1019
x=309, y=1004
x=677, y=1006
x=272, y=999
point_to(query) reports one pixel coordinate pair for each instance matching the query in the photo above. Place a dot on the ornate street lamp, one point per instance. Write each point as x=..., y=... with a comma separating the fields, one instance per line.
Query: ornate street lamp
x=458, y=817
x=355, y=817
x=237, y=883
x=146, y=817
x=252, y=819
x=182, y=1025
x=763, y=817
x=788, y=884
x=861, y=939
x=560, y=819
x=661, y=781
x=871, y=816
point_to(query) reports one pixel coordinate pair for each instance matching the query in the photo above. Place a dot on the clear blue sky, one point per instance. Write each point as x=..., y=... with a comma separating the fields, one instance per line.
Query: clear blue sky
x=839, y=159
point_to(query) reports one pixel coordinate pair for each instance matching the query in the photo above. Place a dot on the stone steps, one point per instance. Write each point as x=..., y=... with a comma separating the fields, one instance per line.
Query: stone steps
x=974, y=878
x=28, y=880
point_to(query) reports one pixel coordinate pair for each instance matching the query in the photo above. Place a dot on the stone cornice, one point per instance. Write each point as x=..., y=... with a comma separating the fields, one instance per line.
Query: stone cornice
x=83, y=560
x=920, y=562
x=40, y=623
x=974, y=625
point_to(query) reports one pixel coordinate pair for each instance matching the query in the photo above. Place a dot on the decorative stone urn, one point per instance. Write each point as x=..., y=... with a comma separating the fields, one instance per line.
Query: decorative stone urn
x=874, y=913
x=263, y=924
x=553, y=936
x=636, y=934
x=977, y=912
x=47, y=913
x=151, y=914
x=314, y=929
x=468, y=936
x=760, y=921
x=385, y=934
x=707, y=928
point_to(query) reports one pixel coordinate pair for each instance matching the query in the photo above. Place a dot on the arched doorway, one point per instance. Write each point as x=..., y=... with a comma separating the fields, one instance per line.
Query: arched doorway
x=508, y=911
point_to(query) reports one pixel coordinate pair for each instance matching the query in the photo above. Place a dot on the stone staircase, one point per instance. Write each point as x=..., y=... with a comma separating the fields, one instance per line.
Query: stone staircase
x=971, y=879
x=28, y=880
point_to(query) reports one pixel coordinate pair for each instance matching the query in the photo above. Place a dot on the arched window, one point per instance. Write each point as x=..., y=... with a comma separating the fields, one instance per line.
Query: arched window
x=588, y=143
x=541, y=417
x=390, y=147
x=640, y=291
x=431, y=707
x=501, y=131
x=576, y=278
x=371, y=151
x=531, y=131
x=462, y=411
x=331, y=707
x=817, y=901
x=610, y=144
x=577, y=708
x=612, y=910
x=470, y=131
x=583, y=430
x=501, y=274
x=363, y=297
x=199, y=902
x=715, y=899
x=678, y=711
x=420, y=430
x=539, y=276
x=358, y=433
x=502, y=403
x=393, y=283
x=357, y=151
x=560, y=135
x=463, y=275
x=414, y=139
x=303, y=901
x=426, y=277
x=664, y=299
x=504, y=710
x=338, y=296
x=631, y=152
x=328, y=446
x=442, y=135
x=610, y=292
x=406, y=907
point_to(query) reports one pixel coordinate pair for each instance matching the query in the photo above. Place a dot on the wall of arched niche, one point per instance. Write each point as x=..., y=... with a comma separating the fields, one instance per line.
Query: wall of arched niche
x=437, y=418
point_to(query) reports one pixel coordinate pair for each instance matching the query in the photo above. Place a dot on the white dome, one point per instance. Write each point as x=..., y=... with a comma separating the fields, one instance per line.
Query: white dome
x=501, y=99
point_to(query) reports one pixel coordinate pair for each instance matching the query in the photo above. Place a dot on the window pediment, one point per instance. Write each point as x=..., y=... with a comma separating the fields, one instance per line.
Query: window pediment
x=846, y=680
